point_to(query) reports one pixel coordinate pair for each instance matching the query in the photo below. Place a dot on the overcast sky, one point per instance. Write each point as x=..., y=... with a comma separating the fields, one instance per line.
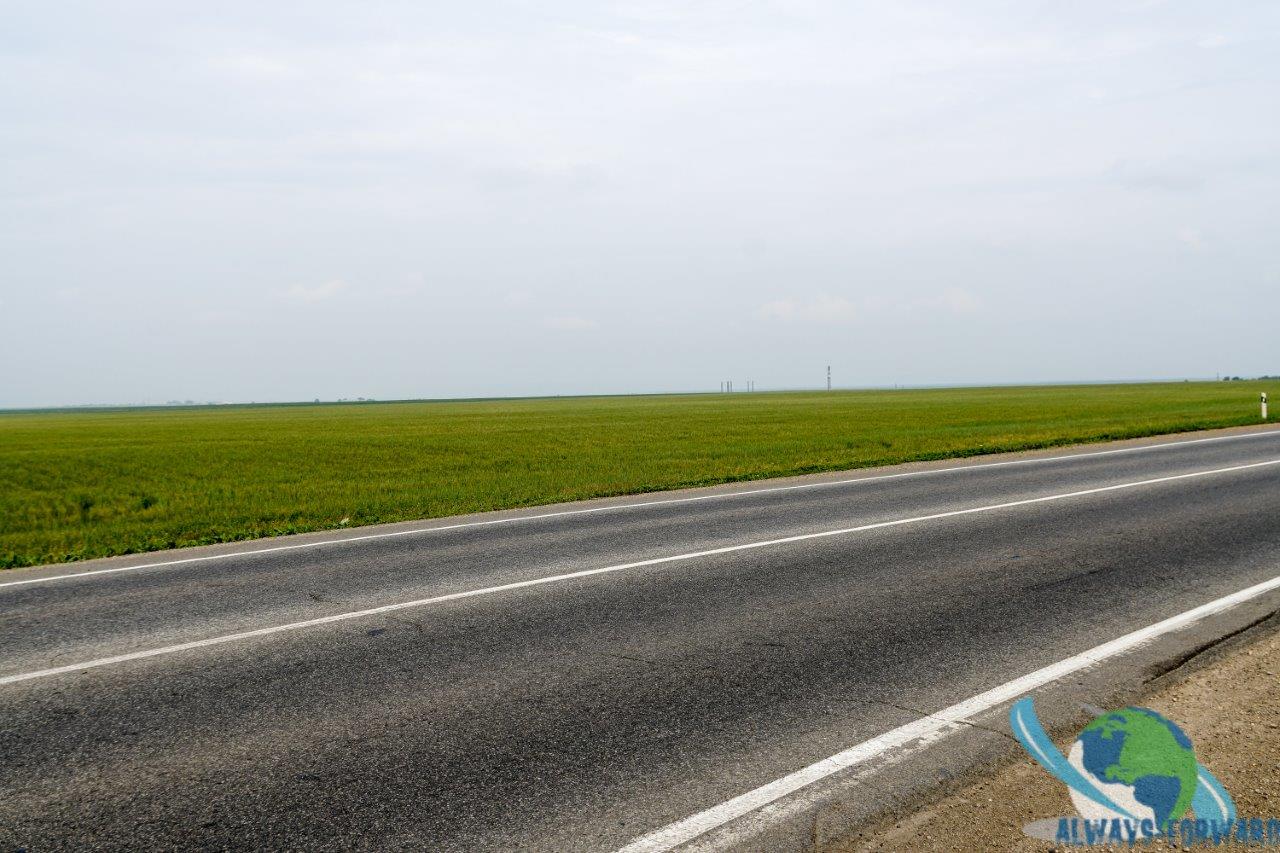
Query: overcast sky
x=280, y=201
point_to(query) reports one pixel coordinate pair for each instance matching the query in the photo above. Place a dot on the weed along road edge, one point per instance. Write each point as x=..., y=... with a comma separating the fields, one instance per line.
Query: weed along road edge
x=634, y=672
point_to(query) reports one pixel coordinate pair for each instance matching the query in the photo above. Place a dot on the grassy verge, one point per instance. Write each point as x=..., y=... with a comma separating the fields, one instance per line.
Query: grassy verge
x=81, y=484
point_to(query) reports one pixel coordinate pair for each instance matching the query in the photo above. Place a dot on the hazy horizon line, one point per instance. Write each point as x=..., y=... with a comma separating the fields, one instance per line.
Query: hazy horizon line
x=186, y=404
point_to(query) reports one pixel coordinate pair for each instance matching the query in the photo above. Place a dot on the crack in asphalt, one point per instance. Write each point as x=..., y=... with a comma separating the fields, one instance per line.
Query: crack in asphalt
x=1169, y=665
x=930, y=716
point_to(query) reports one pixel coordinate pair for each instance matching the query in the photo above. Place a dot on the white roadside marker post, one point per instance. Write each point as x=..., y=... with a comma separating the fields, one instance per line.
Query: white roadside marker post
x=1264, y=405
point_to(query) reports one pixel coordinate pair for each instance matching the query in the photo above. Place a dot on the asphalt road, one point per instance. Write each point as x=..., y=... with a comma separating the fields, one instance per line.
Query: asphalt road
x=580, y=713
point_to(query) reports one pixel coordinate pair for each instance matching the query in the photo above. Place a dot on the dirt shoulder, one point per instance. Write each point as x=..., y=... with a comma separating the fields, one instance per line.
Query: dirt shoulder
x=1230, y=708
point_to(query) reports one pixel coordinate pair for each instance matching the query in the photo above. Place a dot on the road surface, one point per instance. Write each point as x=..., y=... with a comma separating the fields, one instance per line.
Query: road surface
x=522, y=683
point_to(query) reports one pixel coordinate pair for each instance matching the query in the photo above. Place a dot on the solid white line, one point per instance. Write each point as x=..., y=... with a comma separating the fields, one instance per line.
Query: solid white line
x=638, y=505
x=928, y=729
x=491, y=590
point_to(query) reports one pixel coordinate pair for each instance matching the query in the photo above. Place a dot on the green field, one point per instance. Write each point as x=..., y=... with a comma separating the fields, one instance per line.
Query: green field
x=91, y=483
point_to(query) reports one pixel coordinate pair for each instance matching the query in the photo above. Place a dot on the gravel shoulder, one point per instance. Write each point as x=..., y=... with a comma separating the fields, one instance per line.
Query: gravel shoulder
x=1228, y=704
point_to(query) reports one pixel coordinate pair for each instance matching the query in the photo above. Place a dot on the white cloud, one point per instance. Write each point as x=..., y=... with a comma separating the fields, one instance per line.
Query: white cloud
x=825, y=309
x=822, y=308
x=571, y=324
x=318, y=293
x=1191, y=238
x=259, y=66
x=955, y=300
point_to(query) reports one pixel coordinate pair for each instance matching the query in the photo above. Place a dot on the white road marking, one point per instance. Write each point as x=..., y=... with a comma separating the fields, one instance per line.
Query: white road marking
x=638, y=505
x=920, y=733
x=655, y=561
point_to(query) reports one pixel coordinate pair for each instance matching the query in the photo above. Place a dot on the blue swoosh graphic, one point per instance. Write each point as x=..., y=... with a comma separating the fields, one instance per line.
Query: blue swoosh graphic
x=1211, y=800
x=1032, y=736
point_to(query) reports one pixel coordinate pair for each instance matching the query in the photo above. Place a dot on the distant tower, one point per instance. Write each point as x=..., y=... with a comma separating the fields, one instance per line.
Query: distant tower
x=828, y=377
